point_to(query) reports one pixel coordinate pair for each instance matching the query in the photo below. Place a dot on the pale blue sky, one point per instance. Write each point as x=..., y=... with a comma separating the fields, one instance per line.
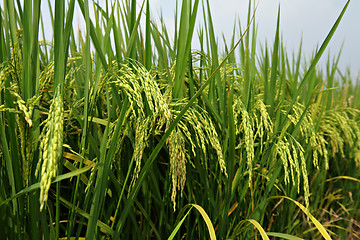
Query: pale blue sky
x=309, y=19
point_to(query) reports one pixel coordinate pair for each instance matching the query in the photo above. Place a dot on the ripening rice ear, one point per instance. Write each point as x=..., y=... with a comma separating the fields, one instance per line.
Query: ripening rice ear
x=50, y=146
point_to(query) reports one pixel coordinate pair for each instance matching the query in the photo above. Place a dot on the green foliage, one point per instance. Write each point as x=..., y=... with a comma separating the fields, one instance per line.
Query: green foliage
x=122, y=139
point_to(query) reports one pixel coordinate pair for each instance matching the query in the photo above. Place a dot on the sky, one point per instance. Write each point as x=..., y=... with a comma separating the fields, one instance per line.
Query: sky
x=310, y=20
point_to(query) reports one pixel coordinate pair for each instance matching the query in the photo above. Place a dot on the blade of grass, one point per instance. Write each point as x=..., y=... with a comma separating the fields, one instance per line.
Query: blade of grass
x=27, y=85
x=183, y=44
x=207, y=221
x=317, y=224
x=274, y=69
x=343, y=177
x=259, y=228
x=84, y=137
x=10, y=171
x=204, y=216
x=94, y=37
x=315, y=61
x=133, y=27
x=10, y=10
x=59, y=76
x=148, y=56
x=103, y=227
x=215, y=95
x=104, y=164
x=177, y=227
x=36, y=186
x=283, y=236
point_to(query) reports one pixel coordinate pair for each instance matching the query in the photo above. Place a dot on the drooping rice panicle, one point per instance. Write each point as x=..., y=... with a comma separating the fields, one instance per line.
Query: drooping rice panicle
x=143, y=127
x=264, y=123
x=50, y=146
x=177, y=151
x=246, y=128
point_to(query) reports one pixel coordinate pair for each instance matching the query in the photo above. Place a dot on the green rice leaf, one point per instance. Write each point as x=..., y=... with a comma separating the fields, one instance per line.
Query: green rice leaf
x=343, y=177
x=56, y=179
x=259, y=228
x=318, y=225
x=204, y=216
x=283, y=236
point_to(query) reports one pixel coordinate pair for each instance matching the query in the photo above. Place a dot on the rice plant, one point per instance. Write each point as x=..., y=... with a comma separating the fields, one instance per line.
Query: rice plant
x=122, y=131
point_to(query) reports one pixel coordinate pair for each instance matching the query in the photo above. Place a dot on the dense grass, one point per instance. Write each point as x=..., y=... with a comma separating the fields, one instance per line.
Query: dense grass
x=144, y=137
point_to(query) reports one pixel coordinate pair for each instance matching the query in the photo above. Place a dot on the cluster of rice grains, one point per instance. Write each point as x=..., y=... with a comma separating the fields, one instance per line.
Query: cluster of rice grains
x=23, y=109
x=249, y=126
x=256, y=124
x=196, y=129
x=342, y=132
x=148, y=111
x=151, y=111
x=25, y=123
x=51, y=141
x=177, y=151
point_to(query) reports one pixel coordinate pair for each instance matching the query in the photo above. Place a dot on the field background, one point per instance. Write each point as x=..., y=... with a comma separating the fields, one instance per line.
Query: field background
x=144, y=137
